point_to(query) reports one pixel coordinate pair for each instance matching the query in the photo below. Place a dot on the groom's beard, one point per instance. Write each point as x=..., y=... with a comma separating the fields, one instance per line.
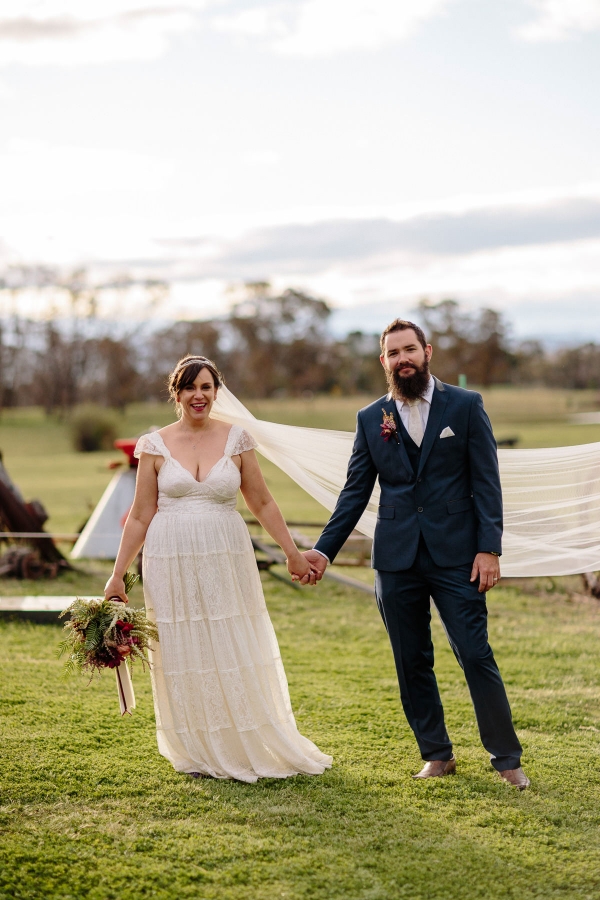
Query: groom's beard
x=408, y=387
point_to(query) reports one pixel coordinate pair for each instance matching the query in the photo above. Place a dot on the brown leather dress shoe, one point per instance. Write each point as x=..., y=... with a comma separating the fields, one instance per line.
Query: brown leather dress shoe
x=516, y=777
x=437, y=767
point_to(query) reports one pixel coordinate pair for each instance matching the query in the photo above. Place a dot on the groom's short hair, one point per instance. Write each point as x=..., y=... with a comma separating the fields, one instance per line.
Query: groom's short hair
x=403, y=325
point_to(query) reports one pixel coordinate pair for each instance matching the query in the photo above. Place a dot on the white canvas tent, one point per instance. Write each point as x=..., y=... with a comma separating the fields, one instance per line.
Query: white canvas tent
x=101, y=536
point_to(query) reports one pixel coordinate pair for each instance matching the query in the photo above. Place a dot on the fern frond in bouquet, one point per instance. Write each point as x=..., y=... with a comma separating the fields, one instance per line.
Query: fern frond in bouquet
x=105, y=633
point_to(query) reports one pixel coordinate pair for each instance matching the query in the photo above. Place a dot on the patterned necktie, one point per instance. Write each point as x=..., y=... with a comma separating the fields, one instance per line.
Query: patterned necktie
x=415, y=425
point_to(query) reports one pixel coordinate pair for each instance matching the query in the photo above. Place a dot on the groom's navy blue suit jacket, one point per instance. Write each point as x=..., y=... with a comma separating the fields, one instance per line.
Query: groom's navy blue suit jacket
x=454, y=498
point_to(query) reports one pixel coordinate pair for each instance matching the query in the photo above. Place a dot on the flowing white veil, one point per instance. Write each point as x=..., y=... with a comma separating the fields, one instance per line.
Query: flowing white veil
x=551, y=495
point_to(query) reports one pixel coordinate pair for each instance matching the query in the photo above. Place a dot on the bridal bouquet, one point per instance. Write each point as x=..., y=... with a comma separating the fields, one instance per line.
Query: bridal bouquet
x=107, y=634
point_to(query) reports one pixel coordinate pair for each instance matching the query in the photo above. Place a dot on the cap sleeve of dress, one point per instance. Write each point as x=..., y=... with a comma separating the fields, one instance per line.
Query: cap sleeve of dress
x=150, y=443
x=242, y=442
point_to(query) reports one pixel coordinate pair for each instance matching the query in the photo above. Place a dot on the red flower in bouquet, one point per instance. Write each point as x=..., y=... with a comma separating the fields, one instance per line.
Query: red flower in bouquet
x=124, y=641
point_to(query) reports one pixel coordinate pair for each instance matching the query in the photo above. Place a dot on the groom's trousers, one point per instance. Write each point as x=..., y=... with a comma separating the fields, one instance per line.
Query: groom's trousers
x=404, y=604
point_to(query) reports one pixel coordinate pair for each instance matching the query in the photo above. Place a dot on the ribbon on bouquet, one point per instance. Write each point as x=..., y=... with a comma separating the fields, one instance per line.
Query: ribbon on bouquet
x=125, y=689
x=124, y=684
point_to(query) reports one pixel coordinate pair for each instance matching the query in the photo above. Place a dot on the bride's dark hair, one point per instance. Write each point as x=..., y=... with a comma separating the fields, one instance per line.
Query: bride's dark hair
x=185, y=372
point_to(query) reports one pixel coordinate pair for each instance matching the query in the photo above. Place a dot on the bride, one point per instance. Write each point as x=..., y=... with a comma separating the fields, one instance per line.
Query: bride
x=220, y=692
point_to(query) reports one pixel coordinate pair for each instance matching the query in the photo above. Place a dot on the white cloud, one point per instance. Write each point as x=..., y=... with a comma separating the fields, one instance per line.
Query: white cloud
x=260, y=158
x=91, y=10
x=326, y=27
x=537, y=270
x=258, y=22
x=560, y=20
x=526, y=283
x=522, y=256
x=68, y=32
x=54, y=172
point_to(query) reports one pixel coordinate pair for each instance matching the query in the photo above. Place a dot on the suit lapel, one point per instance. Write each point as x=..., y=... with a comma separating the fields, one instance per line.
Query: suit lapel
x=438, y=405
x=391, y=408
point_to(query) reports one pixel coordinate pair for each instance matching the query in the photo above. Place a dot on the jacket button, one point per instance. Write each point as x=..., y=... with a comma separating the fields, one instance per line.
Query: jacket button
x=420, y=509
x=419, y=480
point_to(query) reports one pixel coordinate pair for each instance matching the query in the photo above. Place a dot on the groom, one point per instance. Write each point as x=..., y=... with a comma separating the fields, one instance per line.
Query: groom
x=438, y=535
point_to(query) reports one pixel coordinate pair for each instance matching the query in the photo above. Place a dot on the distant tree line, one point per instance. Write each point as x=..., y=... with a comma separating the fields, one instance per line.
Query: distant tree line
x=270, y=344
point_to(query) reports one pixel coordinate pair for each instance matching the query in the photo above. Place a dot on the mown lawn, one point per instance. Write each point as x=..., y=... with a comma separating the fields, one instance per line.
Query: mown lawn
x=90, y=810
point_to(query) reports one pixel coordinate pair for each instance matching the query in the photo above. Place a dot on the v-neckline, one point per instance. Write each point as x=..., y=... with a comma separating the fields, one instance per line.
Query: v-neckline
x=183, y=468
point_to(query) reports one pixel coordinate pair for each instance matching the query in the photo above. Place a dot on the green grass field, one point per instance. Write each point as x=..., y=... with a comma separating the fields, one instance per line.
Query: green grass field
x=88, y=809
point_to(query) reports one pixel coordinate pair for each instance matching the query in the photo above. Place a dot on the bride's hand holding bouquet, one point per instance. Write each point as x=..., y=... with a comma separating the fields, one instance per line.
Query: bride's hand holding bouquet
x=108, y=634
x=115, y=589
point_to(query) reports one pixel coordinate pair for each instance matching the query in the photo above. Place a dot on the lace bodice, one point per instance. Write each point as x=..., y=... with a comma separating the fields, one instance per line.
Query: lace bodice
x=180, y=492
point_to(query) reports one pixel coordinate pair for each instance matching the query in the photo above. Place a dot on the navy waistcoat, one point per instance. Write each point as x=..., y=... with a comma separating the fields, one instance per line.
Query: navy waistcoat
x=412, y=450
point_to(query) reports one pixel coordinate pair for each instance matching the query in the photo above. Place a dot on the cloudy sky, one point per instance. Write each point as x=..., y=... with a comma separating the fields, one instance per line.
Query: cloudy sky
x=372, y=151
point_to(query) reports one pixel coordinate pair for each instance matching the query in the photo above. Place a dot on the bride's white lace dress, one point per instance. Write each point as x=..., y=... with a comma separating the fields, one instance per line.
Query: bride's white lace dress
x=220, y=692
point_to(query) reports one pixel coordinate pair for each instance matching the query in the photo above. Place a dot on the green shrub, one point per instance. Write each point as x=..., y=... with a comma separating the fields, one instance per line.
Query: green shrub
x=93, y=428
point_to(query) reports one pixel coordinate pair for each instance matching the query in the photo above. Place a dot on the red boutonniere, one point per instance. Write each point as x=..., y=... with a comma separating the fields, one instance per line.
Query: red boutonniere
x=388, y=426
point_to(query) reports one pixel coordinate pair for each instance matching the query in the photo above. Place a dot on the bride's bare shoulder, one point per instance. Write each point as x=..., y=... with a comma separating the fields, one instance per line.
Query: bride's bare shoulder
x=168, y=429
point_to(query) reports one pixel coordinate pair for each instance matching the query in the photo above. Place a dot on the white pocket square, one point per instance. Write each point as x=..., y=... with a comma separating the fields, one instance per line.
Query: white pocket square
x=447, y=432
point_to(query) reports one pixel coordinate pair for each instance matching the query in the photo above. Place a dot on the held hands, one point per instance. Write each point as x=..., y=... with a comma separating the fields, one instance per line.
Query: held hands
x=318, y=564
x=298, y=568
x=115, y=587
x=487, y=566
x=307, y=567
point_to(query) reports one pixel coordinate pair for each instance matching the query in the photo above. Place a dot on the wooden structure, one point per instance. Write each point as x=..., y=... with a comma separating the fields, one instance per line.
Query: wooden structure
x=356, y=552
x=35, y=554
